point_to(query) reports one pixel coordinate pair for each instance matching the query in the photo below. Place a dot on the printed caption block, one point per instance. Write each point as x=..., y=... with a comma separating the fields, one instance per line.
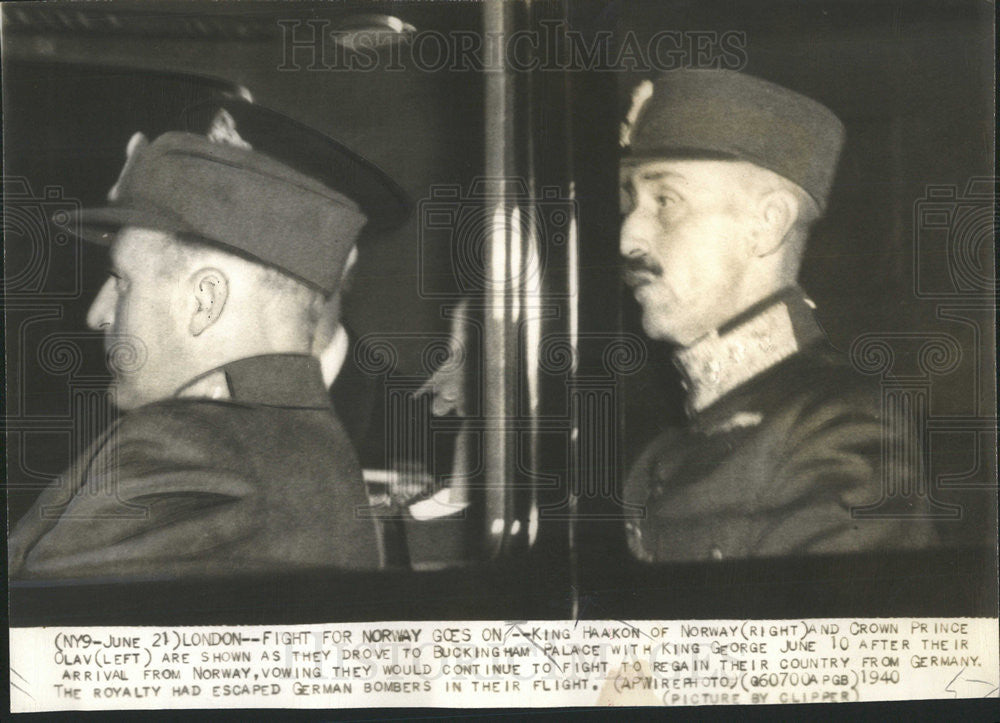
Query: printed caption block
x=498, y=664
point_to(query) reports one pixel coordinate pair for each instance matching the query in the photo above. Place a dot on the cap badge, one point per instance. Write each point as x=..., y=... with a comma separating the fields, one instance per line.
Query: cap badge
x=223, y=130
x=137, y=141
x=640, y=95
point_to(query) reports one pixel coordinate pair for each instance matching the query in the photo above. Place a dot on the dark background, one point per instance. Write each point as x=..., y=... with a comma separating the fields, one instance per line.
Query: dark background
x=912, y=81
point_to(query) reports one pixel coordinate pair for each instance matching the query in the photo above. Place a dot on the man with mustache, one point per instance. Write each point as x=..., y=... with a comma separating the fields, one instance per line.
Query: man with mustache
x=723, y=174
x=229, y=238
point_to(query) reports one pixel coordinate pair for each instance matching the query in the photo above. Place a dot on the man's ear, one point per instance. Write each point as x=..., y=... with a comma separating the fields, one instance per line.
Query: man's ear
x=211, y=289
x=776, y=213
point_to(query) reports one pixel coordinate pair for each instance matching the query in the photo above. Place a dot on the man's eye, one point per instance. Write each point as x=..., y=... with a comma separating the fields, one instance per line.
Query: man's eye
x=626, y=199
x=119, y=280
x=665, y=199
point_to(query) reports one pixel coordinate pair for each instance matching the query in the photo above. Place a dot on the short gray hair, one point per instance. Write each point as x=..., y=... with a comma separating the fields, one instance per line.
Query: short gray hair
x=290, y=297
x=302, y=300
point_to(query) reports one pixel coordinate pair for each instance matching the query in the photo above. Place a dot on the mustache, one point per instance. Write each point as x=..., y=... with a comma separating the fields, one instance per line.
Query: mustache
x=636, y=271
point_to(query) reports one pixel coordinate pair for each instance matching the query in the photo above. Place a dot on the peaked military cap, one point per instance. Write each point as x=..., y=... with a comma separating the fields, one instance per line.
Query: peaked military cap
x=254, y=182
x=730, y=115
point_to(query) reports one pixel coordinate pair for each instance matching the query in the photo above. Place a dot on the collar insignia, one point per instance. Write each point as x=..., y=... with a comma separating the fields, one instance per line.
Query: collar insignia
x=717, y=364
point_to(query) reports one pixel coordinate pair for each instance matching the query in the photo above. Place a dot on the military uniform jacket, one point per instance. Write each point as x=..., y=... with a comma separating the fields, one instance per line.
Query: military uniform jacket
x=260, y=479
x=782, y=456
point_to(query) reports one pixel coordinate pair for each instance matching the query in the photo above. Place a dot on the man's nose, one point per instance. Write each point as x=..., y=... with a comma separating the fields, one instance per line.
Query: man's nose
x=102, y=311
x=637, y=234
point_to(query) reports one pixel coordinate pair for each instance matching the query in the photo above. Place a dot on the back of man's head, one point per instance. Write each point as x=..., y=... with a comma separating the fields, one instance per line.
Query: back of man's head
x=258, y=309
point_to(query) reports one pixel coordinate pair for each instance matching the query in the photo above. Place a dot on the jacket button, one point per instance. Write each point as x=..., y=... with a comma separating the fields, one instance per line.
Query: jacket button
x=716, y=553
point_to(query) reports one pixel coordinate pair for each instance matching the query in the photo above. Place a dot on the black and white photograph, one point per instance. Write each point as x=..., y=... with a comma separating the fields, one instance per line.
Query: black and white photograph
x=499, y=353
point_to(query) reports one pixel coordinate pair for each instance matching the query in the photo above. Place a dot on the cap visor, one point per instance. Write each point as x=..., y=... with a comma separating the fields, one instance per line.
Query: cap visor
x=101, y=225
x=313, y=153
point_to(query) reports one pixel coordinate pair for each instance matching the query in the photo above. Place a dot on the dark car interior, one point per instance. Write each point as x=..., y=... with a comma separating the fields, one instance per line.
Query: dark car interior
x=520, y=520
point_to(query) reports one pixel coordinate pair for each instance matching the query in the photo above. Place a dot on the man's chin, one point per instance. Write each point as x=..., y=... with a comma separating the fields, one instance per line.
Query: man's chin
x=657, y=328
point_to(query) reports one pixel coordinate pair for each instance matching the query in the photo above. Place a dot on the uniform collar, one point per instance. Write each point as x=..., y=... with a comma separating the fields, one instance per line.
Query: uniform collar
x=746, y=346
x=278, y=380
